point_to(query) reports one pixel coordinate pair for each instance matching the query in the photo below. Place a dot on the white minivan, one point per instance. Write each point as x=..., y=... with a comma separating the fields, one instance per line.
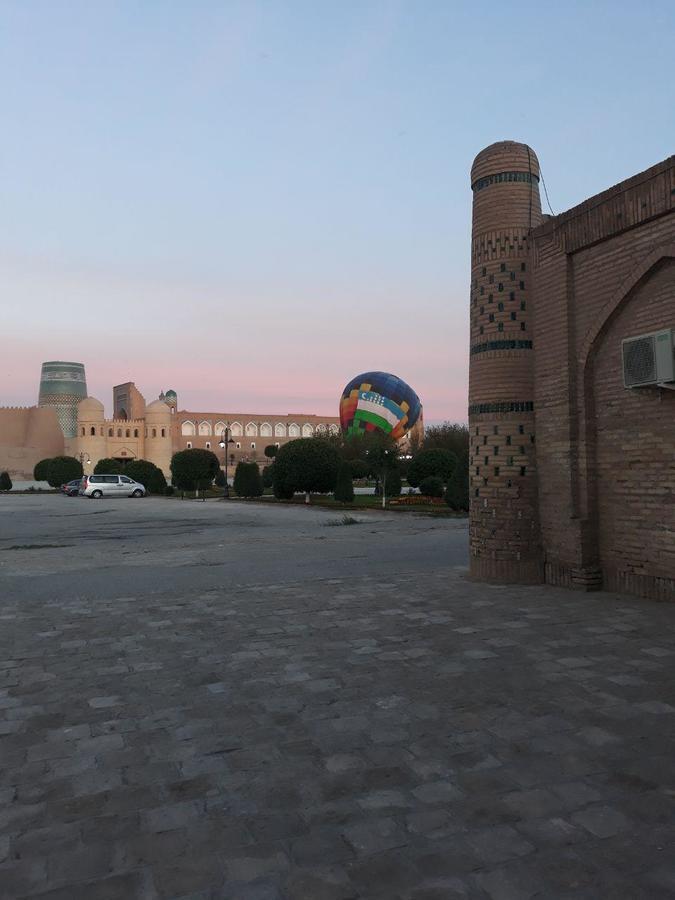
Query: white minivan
x=110, y=486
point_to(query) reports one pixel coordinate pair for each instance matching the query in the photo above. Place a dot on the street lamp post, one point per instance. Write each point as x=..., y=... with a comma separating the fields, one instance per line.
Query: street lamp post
x=224, y=441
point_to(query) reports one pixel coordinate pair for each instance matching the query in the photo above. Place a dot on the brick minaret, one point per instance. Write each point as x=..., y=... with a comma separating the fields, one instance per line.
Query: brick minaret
x=504, y=526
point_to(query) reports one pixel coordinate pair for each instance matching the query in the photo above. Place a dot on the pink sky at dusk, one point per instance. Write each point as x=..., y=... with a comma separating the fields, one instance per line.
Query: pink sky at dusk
x=253, y=202
x=225, y=347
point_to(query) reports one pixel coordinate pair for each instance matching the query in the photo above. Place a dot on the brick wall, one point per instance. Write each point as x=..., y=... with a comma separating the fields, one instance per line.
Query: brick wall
x=606, y=473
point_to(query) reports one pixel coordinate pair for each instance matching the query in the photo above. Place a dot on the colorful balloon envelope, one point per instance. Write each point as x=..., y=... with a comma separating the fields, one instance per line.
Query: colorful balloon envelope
x=378, y=401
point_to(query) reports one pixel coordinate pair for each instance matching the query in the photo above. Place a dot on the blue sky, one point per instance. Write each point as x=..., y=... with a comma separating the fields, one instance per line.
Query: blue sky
x=264, y=199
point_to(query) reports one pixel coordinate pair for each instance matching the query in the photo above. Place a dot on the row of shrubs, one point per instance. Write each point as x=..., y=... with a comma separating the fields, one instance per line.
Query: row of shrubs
x=310, y=465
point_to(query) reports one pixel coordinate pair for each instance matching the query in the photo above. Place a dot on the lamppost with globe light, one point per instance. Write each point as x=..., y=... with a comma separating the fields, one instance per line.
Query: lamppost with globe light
x=223, y=444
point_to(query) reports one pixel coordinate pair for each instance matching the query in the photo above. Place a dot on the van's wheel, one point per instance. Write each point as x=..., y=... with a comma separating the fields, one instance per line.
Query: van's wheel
x=137, y=494
x=96, y=494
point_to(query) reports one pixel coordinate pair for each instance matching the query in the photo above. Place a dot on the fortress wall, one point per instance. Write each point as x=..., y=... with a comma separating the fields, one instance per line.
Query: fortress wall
x=28, y=435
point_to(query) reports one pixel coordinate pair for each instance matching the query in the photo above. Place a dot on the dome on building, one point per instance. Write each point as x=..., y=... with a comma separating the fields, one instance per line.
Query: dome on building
x=157, y=410
x=90, y=408
x=504, y=161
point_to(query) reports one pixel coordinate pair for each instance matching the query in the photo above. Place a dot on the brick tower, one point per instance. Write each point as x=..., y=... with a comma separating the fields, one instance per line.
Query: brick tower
x=504, y=526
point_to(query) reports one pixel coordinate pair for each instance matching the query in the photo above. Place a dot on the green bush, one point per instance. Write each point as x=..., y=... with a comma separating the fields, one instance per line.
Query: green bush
x=193, y=470
x=344, y=489
x=219, y=480
x=271, y=451
x=169, y=490
x=108, y=467
x=149, y=475
x=5, y=482
x=63, y=469
x=247, y=480
x=268, y=475
x=41, y=470
x=306, y=464
x=457, y=493
x=432, y=486
x=437, y=462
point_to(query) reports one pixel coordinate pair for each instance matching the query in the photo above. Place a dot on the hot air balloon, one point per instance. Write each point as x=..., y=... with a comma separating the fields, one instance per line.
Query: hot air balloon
x=378, y=401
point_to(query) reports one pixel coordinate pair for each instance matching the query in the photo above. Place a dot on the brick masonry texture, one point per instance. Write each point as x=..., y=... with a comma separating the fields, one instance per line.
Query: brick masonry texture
x=597, y=505
x=419, y=738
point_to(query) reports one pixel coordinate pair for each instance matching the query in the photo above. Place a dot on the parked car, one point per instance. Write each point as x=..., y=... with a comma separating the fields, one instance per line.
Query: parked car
x=72, y=488
x=96, y=486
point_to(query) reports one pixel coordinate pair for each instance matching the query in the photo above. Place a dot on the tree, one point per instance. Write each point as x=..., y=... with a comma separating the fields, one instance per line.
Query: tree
x=431, y=462
x=41, y=470
x=193, y=469
x=305, y=464
x=359, y=467
x=344, y=489
x=392, y=482
x=457, y=493
x=451, y=436
x=108, y=467
x=382, y=457
x=5, y=481
x=63, y=469
x=432, y=486
x=149, y=475
x=247, y=480
x=271, y=451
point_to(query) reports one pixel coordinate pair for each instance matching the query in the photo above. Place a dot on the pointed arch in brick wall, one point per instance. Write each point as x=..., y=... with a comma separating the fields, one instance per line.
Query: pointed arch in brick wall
x=621, y=295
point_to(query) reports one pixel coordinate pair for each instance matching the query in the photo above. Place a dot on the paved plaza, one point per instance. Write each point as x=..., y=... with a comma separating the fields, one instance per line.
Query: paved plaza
x=206, y=701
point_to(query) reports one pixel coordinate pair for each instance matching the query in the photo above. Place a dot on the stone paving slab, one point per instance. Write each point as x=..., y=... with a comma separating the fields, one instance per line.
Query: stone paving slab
x=419, y=738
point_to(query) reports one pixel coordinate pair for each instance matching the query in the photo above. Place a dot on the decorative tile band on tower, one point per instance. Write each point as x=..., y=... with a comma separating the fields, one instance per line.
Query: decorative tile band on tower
x=62, y=386
x=505, y=542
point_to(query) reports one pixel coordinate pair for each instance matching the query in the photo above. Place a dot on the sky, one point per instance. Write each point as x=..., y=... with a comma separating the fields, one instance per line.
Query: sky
x=252, y=202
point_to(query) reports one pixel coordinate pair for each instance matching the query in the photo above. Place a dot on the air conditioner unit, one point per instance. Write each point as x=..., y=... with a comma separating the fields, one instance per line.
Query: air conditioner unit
x=649, y=359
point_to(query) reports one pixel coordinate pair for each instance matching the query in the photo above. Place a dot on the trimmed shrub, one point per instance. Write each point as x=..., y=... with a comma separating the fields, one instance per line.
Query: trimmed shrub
x=219, y=480
x=457, y=493
x=268, y=475
x=247, y=480
x=169, y=490
x=432, y=486
x=63, y=469
x=192, y=470
x=431, y=462
x=5, y=482
x=41, y=470
x=305, y=464
x=344, y=489
x=108, y=467
x=149, y=475
x=271, y=451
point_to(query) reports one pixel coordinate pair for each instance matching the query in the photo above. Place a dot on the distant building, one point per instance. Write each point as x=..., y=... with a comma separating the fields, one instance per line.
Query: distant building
x=68, y=422
x=155, y=431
